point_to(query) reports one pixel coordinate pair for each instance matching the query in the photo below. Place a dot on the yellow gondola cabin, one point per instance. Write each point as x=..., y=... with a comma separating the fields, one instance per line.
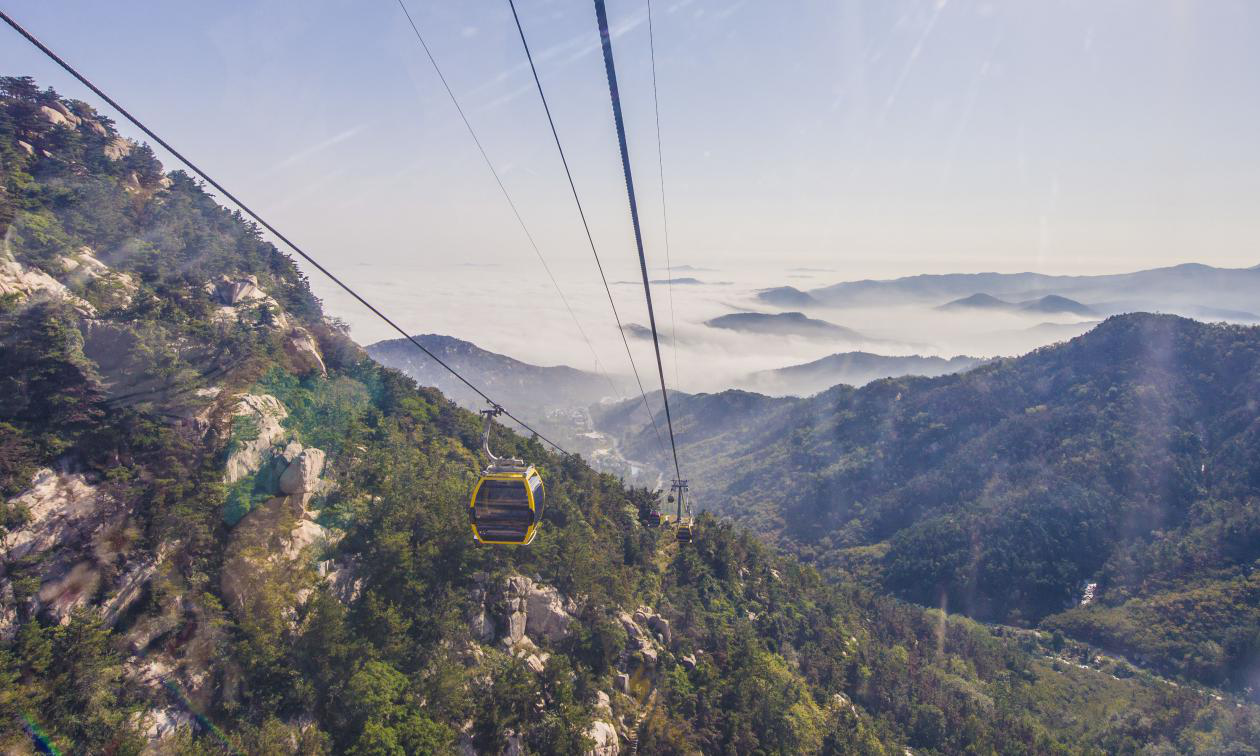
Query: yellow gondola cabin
x=506, y=504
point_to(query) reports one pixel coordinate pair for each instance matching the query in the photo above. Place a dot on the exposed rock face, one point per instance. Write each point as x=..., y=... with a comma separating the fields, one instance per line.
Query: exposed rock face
x=661, y=626
x=648, y=652
x=605, y=737
x=241, y=296
x=343, y=580
x=633, y=631
x=268, y=543
x=233, y=291
x=306, y=533
x=266, y=412
x=644, y=616
x=518, y=606
x=33, y=284
x=8, y=612
x=546, y=614
x=73, y=590
x=57, y=114
x=118, y=148
x=515, y=746
x=149, y=629
x=688, y=662
x=83, y=267
x=481, y=625
x=62, y=508
x=515, y=608
x=160, y=724
x=302, y=474
x=622, y=682
x=77, y=531
x=262, y=550
x=301, y=348
x=480, y=622
x=603, y=704
x=536, y=663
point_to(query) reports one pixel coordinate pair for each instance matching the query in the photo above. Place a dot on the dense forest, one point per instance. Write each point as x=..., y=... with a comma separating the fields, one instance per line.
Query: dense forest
x=227, y=530
x=1127, y=458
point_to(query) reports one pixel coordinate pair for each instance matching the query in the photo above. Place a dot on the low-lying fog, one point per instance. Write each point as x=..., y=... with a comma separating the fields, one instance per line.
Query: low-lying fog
x=516, y=312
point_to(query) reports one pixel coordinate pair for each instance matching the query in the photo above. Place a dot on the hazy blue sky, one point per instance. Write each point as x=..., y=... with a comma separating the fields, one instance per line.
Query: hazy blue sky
x=868, y=138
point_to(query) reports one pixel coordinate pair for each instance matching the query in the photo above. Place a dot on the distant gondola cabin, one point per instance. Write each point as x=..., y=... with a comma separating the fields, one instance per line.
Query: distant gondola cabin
x=684, y=531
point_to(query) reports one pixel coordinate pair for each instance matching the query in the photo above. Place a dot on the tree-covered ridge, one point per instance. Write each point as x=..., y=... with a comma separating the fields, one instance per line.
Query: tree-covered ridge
x=1128, y=458
x=225, y=529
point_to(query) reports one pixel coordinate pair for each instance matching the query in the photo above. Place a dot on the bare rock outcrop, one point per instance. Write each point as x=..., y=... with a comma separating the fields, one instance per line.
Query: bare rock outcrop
x=480, y=622
x=605, y=737
x=343, y=580
x=32, y=284
x=302, y=473
x=266, y=413
x=513, y=602
x=260, y=557
x=302, y=350
x=62, y=509
x=58, y=115
x=242, y=296
x=116, y=288
x=84, y=544
x=644, y=616
x=632, y=628
x=517, y=608
x=546, y=614
x=118, y=148
x=232, y=291
x=161, y=724
x=603, y=704
x=8, y=612
x=83, y=265
x=514, y=745
x=269, y=543
x=61, y=595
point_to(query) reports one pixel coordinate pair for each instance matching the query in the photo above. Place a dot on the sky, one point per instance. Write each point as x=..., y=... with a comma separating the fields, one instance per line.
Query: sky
x=803, y=142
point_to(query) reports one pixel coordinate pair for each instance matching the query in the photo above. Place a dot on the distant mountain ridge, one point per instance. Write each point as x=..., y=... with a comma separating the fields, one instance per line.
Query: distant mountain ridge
x=783, y=324
x=786, y=296
x=1051, y=304
x=517, y=382
x=851, y=368
x=1170, y=289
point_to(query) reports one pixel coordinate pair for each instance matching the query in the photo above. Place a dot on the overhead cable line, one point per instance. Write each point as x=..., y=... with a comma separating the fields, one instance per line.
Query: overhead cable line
x=601, y=16
x=660, y=164
x=258, y=219
x=582, y=213
x=472, y=133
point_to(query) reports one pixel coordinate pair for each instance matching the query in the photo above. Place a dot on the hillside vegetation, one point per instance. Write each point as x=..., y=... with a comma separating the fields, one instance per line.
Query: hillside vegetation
x=226, y=529
x=1128, y=457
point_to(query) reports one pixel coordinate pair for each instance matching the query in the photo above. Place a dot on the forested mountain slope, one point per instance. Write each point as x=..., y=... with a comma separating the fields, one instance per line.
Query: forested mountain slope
x=1128, y=457
x=225, y=529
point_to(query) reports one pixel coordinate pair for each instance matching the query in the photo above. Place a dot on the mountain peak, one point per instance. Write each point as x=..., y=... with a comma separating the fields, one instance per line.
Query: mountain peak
x=979, y=300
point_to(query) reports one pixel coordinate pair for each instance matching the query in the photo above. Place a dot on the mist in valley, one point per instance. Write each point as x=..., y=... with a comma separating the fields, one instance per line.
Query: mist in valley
x=517, y=312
